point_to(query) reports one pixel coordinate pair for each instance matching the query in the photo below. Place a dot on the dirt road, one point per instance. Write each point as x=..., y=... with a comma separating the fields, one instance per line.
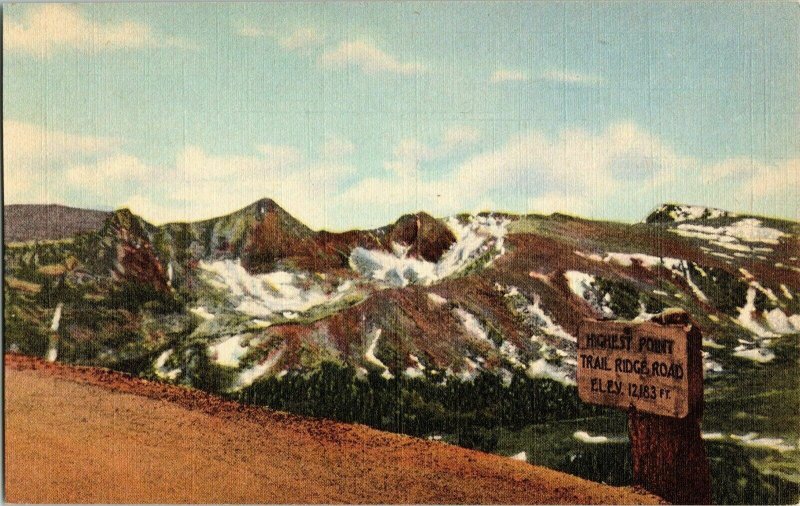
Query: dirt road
x=88, y=435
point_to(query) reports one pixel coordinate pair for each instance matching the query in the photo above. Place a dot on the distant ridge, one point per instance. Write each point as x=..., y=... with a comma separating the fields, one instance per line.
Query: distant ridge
x=672, y=212
x=39, y=222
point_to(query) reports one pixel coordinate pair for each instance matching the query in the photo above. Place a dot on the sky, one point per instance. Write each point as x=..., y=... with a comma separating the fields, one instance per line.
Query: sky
x=352, y=114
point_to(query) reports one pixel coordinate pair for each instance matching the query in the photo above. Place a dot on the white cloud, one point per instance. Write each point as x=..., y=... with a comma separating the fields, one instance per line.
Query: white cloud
x=756, y=184
x=24, y=140
x=571, y=77
x=114, y=170
x=622, y=169
x=460, y=135
x=43, y=166
x=49, y=27
x=302, y=38
x=280, y=155
x=377, y=201
x=506, y=75
x=109, y=180
x=575, y=164
x=367, y=57
x=409, y=153
x=337, y=147
x=32, y=154
x=728, y=168
x=574, y=172
x=772, y=180
x=202, y=185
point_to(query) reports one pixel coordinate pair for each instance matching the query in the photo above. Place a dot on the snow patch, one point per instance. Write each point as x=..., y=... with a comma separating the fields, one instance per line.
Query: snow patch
x=248, y=376
x=534, y=314
x=585, y=437
x=520, y=456
x=745, y=318
x=264, y=295
x=594, y=257
x=734, y=236
x=766, y=291
x=161, y=371
x=56, y=318
x=202, y=313
x=750, y=439
x=437, y=299
x=541, y=368
x=477, y=237
x=228, y=351
x=649, y=261
x=162, y=359
x=511, y=353
x=696, y=289
x=778, y=321
x=471, y=371
x=708, y=343
x=580, y=284
x=473, y=326
x=546, y=323
x=721, y=255
x=760, y=355
x=369, y=355
x=417, y=370
x=710, y=365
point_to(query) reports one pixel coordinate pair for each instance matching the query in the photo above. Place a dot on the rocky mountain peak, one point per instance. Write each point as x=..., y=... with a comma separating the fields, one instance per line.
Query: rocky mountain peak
x=675, y=213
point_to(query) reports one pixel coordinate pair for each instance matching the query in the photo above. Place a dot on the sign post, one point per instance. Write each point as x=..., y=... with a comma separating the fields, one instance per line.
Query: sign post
x=654, y=370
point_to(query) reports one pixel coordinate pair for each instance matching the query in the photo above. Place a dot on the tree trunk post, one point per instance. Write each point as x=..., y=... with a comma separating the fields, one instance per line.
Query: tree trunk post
x=668, y=454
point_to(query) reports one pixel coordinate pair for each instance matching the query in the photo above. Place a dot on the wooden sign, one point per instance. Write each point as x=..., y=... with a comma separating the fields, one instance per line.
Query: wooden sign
x=654, y=370
x=642, y=365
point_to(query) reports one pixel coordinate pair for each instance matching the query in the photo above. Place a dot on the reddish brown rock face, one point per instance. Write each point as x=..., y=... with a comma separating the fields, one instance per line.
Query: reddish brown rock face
x=135, y=259
x=272, y=239
x=428, y=237
x=266, y=243
x=140, y=264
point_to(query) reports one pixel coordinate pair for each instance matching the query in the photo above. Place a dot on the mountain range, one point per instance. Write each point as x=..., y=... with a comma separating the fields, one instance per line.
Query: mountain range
x=421, y=296
x=249, y=298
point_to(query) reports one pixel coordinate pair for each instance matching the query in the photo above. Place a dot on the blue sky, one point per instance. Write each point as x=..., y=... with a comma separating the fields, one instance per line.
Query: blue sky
x=350, y=114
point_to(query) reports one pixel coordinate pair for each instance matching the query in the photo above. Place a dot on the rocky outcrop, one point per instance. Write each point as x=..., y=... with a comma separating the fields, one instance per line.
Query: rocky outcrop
x=426, y=237
x=131, y=254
